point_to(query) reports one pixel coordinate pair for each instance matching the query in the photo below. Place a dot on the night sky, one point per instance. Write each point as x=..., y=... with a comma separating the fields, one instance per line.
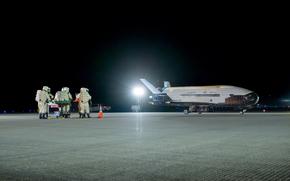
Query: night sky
x=108, y=54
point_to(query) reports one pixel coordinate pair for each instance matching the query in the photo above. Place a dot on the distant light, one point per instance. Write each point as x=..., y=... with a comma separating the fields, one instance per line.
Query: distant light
x=138, y=91
x=285, y=100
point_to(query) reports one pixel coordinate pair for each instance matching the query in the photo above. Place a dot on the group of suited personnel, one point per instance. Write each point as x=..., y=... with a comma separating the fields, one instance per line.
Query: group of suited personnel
x=64, y=99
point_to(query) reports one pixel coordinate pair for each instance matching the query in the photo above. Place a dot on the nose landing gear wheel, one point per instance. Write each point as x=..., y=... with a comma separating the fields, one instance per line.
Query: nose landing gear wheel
x=243, y=111
x=185, y=111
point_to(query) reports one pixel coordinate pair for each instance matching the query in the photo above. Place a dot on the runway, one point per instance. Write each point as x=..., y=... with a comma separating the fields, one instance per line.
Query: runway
x=146, y=146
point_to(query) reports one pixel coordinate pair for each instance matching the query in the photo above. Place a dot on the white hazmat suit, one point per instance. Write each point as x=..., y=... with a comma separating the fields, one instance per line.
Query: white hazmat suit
x=43, y=97
x=84, y=102
x=64, y=99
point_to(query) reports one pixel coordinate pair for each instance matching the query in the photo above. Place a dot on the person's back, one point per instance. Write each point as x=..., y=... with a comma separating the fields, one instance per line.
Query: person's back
x=43, y=96
x=85, y=96
x=57, y=96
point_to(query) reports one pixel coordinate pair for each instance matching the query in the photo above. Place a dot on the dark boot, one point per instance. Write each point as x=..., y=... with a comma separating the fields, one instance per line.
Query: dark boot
x=80, y=115
x=40, y=116
x=88, y=115
x=44, y=116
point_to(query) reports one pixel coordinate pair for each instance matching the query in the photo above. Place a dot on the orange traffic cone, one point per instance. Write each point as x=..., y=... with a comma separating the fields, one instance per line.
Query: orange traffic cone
x=100, y=114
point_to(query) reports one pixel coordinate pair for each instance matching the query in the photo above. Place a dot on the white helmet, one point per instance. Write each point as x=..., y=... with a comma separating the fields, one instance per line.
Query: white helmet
x=65, y=89
x=46, y=88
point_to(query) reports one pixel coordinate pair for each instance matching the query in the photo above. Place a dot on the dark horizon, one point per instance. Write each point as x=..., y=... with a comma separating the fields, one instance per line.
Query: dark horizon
x=110, y=56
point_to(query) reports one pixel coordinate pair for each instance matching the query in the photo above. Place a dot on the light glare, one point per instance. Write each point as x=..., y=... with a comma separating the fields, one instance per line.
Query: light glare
x=138, y=91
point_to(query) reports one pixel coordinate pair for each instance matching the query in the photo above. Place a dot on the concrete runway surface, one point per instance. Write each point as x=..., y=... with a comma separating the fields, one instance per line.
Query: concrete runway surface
x=146, y=146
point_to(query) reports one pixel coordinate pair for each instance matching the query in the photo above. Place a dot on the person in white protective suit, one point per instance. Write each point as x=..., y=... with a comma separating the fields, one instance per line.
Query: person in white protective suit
x=64, y=98
x=43, y=97
x=67, y=98
x=84, y=99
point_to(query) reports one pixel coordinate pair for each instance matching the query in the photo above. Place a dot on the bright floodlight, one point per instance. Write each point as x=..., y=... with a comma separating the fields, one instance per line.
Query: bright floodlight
x=138, y=91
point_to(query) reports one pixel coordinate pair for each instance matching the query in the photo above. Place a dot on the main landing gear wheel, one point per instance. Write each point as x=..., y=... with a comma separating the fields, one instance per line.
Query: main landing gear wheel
x=243, y=111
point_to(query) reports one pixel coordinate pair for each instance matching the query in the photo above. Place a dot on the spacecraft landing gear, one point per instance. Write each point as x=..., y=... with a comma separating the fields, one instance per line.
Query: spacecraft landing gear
x=198, y=109
x=243, y=111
